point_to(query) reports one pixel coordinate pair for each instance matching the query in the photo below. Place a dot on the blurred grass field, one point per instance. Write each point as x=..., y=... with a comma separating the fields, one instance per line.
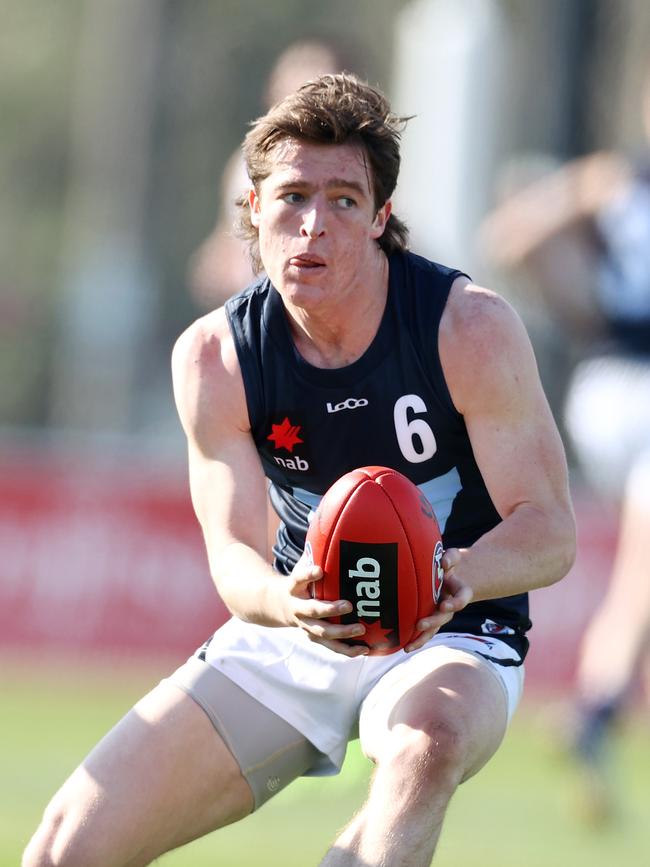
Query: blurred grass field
x=517, y=811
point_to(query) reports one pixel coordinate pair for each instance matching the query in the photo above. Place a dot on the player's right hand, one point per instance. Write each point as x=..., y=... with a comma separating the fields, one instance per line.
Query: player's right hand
x=312, y=615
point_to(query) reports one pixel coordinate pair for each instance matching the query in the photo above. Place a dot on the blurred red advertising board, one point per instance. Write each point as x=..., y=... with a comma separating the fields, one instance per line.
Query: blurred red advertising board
x=101, y=554
x=104, y=554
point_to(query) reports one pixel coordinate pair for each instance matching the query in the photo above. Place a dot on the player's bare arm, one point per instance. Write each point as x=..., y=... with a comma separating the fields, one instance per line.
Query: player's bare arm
x=229, y=491
x=492, y=376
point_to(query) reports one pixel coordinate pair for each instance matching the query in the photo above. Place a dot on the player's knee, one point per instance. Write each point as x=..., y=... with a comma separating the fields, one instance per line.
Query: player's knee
x=429, y=756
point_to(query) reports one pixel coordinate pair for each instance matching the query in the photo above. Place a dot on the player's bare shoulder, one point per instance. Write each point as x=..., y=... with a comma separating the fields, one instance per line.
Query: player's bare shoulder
x=208, y=387
x=483, y=343
x=204, y=347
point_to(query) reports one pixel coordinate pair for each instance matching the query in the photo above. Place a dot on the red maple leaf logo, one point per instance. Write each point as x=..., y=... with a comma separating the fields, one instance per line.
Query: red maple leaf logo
x=285, y=435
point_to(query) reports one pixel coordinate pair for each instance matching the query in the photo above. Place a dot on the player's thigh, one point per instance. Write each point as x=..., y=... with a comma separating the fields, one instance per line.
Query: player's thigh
x=162, y=777
x=444, y=690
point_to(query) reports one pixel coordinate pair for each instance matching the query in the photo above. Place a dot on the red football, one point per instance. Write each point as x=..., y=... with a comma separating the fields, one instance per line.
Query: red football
x=377, y=540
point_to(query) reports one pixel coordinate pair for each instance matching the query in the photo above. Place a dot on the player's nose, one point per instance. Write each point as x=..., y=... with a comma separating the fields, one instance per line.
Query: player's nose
x=313, y=223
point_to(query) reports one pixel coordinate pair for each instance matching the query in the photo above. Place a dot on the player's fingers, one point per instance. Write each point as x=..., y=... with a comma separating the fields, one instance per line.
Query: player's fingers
x=320, y=610
x=420, y=641
x=456, y=594
x=456, y=597
x=301, y=579
x=305, y=573
x=450, y=558
x=428, y=627
x=433, y=622
x=323, y=629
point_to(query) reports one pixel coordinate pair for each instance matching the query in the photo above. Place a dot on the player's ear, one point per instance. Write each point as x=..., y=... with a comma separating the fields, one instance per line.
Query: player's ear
x=381, y=218
x=254, y=205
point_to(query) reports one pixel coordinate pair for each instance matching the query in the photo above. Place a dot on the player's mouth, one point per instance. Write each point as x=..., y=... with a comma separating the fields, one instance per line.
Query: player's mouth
x=307, y=262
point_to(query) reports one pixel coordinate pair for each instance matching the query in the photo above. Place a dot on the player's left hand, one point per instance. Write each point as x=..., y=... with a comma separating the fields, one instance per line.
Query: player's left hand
x=314, y=616
x=454, y=597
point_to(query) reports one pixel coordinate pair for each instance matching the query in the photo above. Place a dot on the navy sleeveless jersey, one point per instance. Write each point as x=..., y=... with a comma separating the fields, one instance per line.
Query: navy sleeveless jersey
x=390, y=408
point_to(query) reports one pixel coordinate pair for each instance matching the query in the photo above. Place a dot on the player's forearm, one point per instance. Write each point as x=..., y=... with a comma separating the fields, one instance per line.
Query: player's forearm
x=531, y=548
x=248, y=586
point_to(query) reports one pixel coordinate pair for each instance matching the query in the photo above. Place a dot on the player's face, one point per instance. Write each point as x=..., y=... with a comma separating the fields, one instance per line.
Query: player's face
x=317, y=222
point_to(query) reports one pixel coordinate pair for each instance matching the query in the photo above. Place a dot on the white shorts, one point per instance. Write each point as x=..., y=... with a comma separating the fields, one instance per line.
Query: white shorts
x=321, y=693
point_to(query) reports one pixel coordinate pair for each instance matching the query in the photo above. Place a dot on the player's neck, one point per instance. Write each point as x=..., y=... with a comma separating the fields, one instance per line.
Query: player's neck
x=337, y=335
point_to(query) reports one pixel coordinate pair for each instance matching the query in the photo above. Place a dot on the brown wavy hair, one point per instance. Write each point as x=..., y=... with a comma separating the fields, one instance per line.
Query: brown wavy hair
x=331, y=109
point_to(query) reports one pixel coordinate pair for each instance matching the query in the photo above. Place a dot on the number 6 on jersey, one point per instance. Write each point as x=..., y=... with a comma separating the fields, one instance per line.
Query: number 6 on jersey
x=415, y=431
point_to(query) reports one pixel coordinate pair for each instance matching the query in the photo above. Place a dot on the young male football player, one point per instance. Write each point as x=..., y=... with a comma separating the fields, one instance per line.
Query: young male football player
x=428, y=374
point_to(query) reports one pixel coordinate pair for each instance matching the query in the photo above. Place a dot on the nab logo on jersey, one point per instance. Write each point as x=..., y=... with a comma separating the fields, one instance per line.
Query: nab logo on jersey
x=285, y=436
x=294, y=463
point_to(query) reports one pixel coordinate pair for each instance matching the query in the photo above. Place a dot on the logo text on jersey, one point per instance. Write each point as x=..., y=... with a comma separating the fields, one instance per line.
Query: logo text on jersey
x=350, y=403
x=294, y=463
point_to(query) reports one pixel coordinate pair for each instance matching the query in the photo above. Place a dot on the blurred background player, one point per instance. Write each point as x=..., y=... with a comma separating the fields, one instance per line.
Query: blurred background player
x=583, y=235
x=221, y=265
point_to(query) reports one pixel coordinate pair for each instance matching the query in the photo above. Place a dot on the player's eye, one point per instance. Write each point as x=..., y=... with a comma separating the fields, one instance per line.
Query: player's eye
x=293, y=198
x=346, y=202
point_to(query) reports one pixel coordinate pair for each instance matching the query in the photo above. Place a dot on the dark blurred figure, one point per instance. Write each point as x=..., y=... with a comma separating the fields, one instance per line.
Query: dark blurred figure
x=221, y=266
x=582, y=234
